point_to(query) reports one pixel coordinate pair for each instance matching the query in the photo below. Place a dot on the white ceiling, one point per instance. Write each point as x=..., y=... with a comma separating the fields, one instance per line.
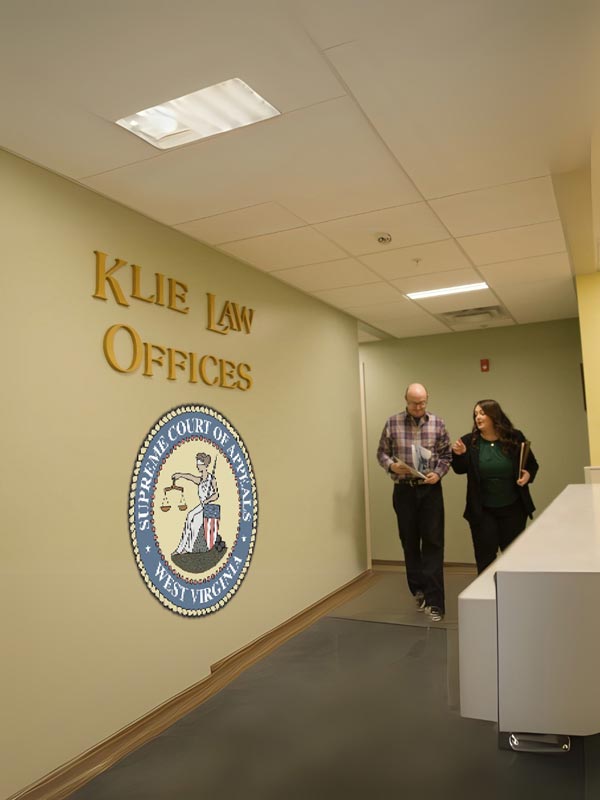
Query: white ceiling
x=439, y=123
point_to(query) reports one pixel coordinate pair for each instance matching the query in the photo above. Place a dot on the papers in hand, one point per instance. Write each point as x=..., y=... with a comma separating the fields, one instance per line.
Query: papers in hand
x=420, y=458
x=524, y=455
x=414, y=473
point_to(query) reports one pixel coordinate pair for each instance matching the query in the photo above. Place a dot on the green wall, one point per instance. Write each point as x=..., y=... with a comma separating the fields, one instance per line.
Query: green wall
x=534, y=374
x=87, y=648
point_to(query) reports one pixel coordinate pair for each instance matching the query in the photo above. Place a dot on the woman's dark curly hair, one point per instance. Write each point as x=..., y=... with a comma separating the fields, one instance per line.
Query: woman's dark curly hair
x=502, y=425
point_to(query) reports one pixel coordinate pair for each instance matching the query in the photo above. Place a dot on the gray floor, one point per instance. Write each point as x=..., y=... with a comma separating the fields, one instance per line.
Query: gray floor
x=346, y=709
x=390, y=601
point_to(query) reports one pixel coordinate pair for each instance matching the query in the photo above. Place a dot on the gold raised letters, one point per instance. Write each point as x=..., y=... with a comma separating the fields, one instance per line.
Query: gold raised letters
x=176, y=363
x=243, y=370
x=151, y=358
x=103, y=277
x=136, y=291
x=203, y=362
x=109, y=348
x=124, y=348
x=174, y=295
x=157, y=358
x=232, y=318
x=227, y=374
x=177, y=291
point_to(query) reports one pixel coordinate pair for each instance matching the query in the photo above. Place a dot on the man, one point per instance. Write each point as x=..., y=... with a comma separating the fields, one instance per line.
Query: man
x=419, y=439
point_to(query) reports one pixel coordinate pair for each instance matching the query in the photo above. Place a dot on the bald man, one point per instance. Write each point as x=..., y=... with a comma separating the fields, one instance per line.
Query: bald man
x=420, y=440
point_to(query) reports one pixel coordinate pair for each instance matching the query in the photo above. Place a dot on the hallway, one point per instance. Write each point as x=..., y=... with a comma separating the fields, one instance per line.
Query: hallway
x=349, y=709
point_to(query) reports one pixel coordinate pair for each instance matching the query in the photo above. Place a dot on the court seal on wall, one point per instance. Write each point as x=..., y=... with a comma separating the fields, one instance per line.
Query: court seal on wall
x=193, y=510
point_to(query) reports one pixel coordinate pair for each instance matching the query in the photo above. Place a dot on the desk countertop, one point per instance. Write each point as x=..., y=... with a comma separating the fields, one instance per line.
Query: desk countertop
x=564, y=538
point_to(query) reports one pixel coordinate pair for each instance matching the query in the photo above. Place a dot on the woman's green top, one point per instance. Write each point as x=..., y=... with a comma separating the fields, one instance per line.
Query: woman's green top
x=498, y=486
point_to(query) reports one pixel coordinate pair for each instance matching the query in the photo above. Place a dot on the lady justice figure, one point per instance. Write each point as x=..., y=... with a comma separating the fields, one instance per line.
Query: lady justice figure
x=195, y=538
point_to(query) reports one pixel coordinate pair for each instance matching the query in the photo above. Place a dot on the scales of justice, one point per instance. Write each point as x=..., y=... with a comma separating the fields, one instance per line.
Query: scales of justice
x=181, y=504
x=200, y=547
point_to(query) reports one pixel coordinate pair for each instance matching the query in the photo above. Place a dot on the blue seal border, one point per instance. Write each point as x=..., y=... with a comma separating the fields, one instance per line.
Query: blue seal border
x=251, y=530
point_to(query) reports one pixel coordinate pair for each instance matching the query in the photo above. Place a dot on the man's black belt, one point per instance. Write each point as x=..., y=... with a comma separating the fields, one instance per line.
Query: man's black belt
x=411, y=482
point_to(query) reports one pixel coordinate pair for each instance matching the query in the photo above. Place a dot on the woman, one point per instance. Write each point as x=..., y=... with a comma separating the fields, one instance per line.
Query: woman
x=498, y=499
x=192, y=538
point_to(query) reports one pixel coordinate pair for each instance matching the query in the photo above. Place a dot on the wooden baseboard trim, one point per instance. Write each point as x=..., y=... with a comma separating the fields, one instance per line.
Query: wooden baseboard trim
x=71, y=776
x=462, y=566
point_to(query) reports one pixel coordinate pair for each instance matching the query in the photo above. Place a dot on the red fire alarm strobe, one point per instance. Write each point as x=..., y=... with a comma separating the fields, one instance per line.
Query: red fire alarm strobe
x=485, y=364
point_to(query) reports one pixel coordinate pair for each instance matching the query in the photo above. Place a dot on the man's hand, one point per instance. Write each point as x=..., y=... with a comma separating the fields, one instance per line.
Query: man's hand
x=399, y=469
x=431, y=477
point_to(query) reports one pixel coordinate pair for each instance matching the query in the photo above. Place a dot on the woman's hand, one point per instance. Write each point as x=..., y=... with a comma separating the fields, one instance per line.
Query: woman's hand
x=525, y=476
x=459, y=447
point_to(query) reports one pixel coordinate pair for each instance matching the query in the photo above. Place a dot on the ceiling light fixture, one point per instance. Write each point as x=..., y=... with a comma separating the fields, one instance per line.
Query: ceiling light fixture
x=467, y=287
x=223, y=107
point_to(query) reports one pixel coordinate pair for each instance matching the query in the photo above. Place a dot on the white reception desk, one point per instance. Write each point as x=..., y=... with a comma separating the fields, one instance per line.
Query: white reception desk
x=529, y=641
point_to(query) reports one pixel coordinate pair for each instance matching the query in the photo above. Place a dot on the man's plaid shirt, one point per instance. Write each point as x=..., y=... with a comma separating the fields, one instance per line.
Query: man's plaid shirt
x=401, y=431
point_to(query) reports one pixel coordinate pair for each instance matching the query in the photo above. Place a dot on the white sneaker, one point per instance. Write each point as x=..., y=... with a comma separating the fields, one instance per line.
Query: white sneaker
x=434, y=613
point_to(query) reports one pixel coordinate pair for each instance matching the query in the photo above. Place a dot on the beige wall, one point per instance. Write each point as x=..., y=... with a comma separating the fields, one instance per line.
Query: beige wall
x=534, y=374
x=588, y=299
x=87, y=648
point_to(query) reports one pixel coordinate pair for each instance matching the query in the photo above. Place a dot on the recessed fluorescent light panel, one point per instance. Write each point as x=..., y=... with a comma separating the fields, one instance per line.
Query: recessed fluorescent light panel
x=216, y=109
x=467, y=287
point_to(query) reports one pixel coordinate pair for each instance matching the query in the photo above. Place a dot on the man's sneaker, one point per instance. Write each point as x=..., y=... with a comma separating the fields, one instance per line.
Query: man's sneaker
x=420, y=601
x=434, y=613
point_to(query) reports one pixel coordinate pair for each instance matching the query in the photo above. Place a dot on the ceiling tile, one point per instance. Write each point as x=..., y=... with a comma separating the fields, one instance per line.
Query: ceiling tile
x=306, y=161
x=387, y=310
x=540, y=300
x=436, y=280
x=407, y=328
x=416, y=260
x=329, y=275
x=475, y=113
x=79, y=91
x=509, y=206
x=335, y=21
x=403, y=318
x=334, y=165
x=376, y=116
x=369, y=294
x=527, y=270
x=241, y=223
x=513, y=243
x=407, y=225
x=285, y=249
x=365, y=336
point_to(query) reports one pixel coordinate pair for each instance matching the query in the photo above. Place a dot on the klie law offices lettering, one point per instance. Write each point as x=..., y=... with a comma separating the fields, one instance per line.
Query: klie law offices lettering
x=127, y=351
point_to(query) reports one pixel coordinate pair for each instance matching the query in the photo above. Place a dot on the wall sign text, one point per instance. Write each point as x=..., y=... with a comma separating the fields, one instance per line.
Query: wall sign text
x=129, y=351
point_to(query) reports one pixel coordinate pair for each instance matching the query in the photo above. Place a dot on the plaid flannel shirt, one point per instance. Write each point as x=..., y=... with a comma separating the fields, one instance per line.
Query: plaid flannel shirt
x=402, y=431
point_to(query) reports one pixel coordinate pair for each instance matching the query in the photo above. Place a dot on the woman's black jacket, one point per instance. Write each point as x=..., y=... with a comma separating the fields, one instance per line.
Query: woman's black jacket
x=469, y=463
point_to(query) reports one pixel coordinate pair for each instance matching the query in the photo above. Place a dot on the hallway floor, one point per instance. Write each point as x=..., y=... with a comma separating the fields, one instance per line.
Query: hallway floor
x=346, y=709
